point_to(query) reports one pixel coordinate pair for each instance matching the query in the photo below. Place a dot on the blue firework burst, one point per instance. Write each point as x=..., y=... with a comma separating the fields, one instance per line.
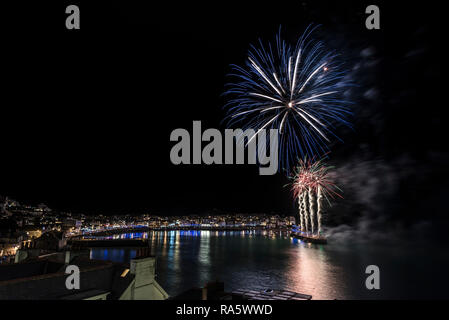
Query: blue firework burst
x=295, y=89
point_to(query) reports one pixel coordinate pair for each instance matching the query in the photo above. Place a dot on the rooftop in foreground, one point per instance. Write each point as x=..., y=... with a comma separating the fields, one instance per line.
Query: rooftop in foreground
x=270, y=294
x=215, y=291
x=44, y=278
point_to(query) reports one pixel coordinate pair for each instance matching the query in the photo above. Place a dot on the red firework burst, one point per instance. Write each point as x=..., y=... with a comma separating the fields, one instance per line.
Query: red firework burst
x=314, y=175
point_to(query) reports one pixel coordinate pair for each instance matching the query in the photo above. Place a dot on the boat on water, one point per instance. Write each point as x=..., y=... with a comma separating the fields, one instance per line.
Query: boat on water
x=312, y=238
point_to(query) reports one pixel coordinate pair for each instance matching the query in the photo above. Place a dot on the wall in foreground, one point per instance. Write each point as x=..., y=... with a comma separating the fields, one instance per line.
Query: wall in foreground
x=144, y=286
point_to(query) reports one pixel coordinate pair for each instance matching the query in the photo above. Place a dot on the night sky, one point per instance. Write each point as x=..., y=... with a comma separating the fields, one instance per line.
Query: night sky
x=86, y=115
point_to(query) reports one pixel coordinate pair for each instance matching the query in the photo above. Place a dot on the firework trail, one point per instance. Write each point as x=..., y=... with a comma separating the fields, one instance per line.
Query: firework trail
x=306, y=211
x=319, y=208
x=299, y=188
x=324, y=187
x=311, y=209
x=301, y=211
x=295, y=89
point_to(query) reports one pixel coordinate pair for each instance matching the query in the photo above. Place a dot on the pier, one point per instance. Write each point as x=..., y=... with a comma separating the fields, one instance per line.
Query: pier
x=113, y=243
x=110, y=232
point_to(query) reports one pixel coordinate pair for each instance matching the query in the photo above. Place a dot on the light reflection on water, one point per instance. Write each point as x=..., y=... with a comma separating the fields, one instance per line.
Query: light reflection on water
x=262, y=259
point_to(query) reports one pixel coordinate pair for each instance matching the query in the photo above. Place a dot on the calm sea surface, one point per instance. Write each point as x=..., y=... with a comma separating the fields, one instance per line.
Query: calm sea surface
x=261, y=260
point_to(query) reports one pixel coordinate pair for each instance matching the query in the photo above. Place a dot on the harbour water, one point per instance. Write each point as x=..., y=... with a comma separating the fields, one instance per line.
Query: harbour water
x=261, y=260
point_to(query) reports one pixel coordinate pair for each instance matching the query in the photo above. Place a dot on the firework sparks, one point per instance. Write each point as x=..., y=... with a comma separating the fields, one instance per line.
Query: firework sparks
x=310, y=179
x=295, y=89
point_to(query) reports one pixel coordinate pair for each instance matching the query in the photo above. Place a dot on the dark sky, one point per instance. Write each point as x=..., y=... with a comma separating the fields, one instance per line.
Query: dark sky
x=86, y=115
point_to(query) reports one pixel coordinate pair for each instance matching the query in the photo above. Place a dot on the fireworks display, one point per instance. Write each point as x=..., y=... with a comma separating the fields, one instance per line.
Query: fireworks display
x=311, y=183
x=295, y=89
